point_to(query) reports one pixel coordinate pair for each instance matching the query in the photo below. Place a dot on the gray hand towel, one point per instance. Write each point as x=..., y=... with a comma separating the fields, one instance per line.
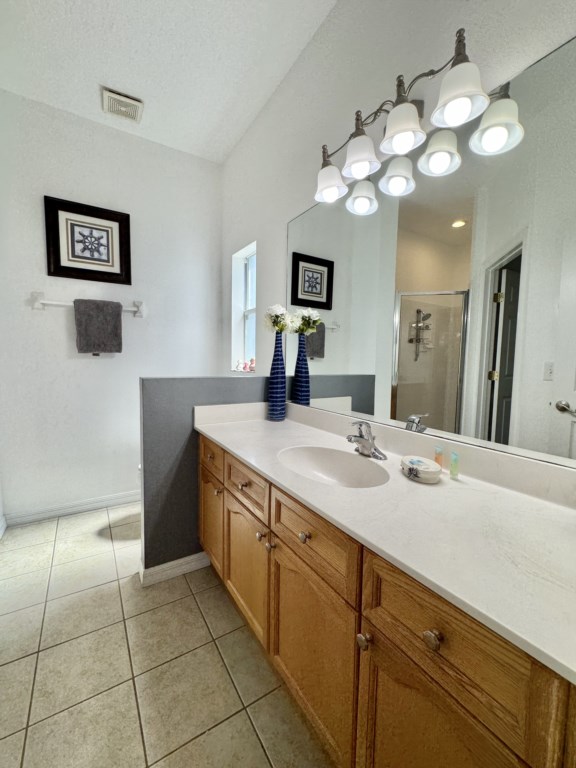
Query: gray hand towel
x=315, y=342
x=98, y=326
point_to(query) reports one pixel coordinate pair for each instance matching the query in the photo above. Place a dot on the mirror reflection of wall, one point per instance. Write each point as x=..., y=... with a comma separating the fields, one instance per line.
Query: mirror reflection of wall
x=520, y=202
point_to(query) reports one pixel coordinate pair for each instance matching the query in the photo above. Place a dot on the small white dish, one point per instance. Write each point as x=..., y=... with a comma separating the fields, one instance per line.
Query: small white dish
x=421, y=470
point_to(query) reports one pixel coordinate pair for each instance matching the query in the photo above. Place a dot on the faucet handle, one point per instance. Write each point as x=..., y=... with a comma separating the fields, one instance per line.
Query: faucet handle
x=415, y=417
x=364, y=429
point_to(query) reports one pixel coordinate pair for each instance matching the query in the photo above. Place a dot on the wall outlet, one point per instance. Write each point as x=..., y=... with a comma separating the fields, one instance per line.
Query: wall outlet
x=548, y=372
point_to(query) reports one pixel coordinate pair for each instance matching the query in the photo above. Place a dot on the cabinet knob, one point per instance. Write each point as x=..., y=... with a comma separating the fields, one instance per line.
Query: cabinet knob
x=217, y=491
x=304, y=536
x=433, y=639
x=243, y=485
x=260, y=535
x=270, y=546
x=364, y=641
x=210, y=457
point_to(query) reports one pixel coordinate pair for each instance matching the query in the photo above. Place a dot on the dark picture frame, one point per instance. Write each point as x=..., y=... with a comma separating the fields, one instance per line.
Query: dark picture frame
x=312, y=281
x=85, y=242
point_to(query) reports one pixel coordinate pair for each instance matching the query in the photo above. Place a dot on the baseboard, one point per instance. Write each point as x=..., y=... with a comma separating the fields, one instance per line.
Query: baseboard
x=173, y=568
x=87, y=505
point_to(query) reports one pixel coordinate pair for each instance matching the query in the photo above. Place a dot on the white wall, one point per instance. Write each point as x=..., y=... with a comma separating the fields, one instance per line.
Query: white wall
x=425, y=264
x=70, y=422
x=352, y=63
x=531, y=203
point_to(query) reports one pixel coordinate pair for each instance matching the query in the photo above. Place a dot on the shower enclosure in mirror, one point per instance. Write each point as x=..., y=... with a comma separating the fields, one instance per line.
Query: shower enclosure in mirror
x=522, y=201
x=430, y=339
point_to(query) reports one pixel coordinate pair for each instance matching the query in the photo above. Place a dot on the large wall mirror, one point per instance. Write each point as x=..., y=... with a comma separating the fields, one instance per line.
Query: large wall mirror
x=413, y=301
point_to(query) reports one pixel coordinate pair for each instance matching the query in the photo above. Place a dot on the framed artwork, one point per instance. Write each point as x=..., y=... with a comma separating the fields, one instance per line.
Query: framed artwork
x=87, y=243
x=312, y=281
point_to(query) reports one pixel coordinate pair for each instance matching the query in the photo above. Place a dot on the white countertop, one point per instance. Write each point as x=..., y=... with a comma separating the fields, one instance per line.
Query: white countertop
x=505, y=558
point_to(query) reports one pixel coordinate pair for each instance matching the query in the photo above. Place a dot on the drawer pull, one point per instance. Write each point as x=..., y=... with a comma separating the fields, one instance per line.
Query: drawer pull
x=364, y=641
x=433, y=639
x=243, y=485
x=210, y=457
x=270, y=546
x=217, y=491
x=260, y=535
x=304, y=536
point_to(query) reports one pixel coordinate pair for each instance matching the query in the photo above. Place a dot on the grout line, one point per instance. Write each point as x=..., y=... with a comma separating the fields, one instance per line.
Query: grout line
x=26, y=573
x=168, y=661
x=253, y=724
x=168, y=602
x=78, y=591
x=82, y=701
x=245, y=706
x=77, y=637
x=134, y=689
x=38, y=649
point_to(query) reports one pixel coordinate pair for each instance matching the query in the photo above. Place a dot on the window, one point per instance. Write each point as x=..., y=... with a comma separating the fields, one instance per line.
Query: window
x=244, y=309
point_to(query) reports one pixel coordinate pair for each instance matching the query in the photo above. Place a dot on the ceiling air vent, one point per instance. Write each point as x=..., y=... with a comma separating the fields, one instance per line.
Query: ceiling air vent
x=122, y=105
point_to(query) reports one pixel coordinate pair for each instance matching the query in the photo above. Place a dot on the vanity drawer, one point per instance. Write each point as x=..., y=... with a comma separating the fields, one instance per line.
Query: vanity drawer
x=521, y=701
x=252, y=490
x=330, y=552
x=212, y=457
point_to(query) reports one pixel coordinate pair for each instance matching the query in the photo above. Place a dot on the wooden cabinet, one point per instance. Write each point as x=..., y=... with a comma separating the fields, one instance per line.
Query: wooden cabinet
x=434, y=687
x=212, y=519
x=333, y=555
x=212, y=457
x=313, y=646
x=405, y=720
x=517, y=698
x=246, y=564
x=570, y=746
x=251, y=489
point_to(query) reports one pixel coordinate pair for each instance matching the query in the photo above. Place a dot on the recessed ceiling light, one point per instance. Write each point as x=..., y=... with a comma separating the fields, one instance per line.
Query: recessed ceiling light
x=458, y=223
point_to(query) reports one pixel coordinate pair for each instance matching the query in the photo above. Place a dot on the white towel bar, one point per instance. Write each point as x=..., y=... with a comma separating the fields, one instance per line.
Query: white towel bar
x=39, y=302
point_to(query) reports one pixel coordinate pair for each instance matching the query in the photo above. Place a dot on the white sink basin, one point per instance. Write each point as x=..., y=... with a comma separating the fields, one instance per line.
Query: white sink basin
x=334, y=467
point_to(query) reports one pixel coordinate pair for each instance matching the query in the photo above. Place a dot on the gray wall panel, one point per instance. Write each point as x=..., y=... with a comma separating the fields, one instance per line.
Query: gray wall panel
x=169, y=449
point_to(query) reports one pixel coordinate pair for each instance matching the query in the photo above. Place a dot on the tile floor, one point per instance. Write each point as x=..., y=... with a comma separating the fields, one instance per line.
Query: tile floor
x=98, y=672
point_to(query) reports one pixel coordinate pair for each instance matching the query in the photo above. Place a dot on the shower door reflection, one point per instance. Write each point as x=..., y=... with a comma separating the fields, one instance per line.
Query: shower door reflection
x=430, y=330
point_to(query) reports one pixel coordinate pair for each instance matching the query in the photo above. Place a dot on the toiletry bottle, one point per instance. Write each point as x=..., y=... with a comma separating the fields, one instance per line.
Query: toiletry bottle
x=454, y=465
x=439, y=456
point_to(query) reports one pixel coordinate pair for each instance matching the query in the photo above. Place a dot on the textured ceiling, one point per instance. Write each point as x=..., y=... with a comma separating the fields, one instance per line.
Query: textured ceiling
x=204, y=68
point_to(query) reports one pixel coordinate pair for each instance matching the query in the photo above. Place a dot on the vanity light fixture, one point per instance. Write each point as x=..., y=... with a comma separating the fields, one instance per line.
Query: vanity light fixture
x=403, y=130
x=441, y=157
x=330, y=183
x=461, y=99
x=499, y=130
x=362, y=201
x=398, y=180
x=361, y=158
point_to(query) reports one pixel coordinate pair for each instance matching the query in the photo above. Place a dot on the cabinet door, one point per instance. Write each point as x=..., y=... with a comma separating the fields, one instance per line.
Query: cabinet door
x=313, y=646
x=246, y=564
x=405, y=720
x=212, y=519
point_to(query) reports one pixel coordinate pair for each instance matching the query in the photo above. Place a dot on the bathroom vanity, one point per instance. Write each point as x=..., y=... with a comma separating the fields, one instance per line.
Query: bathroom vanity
x=411, y=627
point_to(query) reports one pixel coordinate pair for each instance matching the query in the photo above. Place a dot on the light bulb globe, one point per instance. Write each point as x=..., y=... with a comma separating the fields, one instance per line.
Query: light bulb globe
x=457, y=111
x=360, y=170
x=439, y=162
x=403, y=142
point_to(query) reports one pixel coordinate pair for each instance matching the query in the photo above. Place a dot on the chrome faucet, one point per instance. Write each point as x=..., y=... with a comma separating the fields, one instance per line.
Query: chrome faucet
x=413, y=422
x=364, y=440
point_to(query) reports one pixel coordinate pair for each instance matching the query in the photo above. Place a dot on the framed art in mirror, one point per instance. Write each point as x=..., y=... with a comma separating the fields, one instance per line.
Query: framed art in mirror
x=87, y=243
x=312, y=281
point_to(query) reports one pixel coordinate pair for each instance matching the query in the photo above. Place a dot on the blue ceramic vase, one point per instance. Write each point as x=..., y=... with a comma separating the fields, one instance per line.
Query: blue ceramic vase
x=277, y=383
x=301, y=382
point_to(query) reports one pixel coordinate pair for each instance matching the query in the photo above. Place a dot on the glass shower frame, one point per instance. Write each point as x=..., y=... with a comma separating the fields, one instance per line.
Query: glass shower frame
x=397, y=338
